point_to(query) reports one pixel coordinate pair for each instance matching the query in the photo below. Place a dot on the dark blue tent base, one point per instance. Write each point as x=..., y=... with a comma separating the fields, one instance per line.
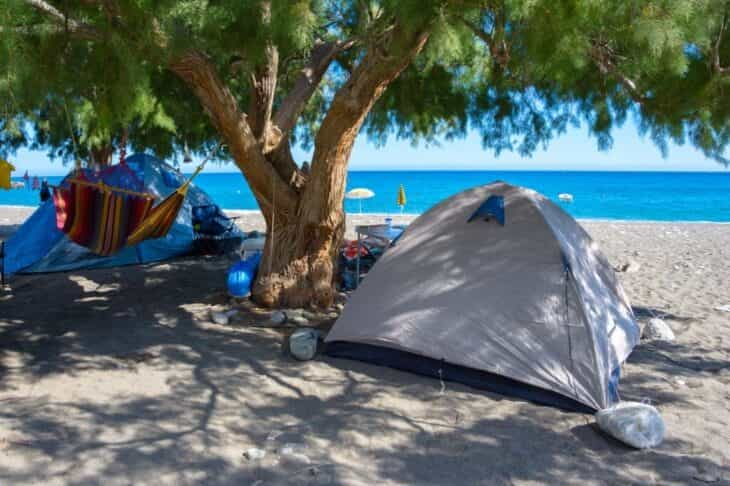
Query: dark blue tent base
x=430, y=367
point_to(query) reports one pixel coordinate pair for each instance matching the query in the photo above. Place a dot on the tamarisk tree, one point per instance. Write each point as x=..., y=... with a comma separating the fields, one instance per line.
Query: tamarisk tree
x=262, y=75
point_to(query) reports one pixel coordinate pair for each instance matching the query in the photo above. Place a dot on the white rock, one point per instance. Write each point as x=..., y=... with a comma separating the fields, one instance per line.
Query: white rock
x=309, y=315
x=658, y=330
x=298, y=320
x=292, y=448
x=630, y=267
x=254, y=454
x=222, y=317
x=303, y=344
x=636, y=424
x=278, y=318
x=294, y=313
x=333, y=315
x=339, y=306
x=723, y=308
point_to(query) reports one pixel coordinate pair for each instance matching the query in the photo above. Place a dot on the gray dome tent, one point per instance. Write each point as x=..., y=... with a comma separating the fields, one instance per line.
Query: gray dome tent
x=498, y=288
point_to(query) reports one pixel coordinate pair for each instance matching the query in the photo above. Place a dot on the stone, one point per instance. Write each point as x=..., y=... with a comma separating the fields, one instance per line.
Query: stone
x=630, y=267
x=222, y=317
x=333, y=315
x=298, y=320
x=309, y=315
x=254, y=454
x=303, y=343
x=277, y=318
x=294, y=313
x=658, y=330
x=339, y=307
x=292, y=448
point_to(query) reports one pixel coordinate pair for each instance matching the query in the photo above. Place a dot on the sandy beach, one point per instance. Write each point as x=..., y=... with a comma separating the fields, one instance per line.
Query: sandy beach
x=119, y=376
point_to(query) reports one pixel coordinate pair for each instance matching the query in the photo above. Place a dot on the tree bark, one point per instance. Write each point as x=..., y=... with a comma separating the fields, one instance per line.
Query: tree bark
x=196, y=71
x=298, y=266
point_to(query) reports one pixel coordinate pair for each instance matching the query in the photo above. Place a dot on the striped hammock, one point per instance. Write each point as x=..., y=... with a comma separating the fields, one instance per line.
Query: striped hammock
x=97, y=216
x=105, y=219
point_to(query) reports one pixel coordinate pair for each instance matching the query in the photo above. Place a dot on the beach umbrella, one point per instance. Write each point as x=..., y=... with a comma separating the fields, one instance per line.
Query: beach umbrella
x=359, y=193
x=401, y=199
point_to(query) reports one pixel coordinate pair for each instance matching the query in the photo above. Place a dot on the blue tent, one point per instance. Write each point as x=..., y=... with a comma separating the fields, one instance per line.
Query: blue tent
x=39, y=247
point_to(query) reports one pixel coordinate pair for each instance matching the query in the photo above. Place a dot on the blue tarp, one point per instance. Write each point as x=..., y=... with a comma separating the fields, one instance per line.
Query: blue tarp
x=38, y=246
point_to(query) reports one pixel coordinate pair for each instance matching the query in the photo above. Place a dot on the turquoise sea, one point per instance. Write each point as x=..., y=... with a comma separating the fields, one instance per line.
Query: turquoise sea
x=661, y=196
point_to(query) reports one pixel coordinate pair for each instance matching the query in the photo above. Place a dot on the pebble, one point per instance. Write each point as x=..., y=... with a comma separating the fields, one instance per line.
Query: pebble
x=630, y=267
x=291, y=448
x=290, y=313
x=309, y=315
x=339, y=306
x=277, y=318
x=222, y=317
x=333, y=315
x=254, y=453
x=298, y=320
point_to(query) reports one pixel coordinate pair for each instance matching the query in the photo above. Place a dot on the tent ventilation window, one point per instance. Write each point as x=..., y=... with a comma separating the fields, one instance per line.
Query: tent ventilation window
x=492, y=208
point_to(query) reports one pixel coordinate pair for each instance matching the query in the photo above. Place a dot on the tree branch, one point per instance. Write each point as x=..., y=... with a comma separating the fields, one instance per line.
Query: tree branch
x=382, y=63
x=478, y=32
x=79, y=29
x=498, y=49
x=716, y=66
x=198, y=73
x=263, y=88
x=277, y=145
x=306, y=84
x=602, y=58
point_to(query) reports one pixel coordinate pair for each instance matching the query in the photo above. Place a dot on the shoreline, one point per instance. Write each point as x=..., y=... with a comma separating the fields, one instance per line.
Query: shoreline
x=412, y=216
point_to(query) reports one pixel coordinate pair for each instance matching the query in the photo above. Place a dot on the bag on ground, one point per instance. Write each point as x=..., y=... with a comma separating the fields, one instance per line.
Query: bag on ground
x=636, y=424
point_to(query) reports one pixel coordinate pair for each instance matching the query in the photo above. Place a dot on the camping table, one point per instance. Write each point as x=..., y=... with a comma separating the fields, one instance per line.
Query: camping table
x=383, y=231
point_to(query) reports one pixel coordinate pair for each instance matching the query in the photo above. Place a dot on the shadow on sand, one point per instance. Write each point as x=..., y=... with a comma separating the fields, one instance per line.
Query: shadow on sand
x=99, y=382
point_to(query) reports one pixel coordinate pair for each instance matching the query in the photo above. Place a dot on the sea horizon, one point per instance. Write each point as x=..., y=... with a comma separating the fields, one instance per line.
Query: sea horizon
x=678, y=196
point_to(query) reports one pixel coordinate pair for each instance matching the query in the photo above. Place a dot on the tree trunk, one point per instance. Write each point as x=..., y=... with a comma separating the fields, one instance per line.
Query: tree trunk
x=305, y=219
x=298, y=268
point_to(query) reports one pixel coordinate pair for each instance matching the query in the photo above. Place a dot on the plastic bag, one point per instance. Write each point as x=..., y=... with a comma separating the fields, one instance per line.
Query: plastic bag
x=636, y=424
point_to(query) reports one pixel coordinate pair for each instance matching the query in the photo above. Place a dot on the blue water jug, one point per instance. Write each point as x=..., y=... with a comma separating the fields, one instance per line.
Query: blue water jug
x=242, y=274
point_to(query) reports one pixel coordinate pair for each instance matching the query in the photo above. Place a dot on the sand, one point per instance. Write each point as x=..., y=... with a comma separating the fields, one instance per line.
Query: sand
x=119, y=377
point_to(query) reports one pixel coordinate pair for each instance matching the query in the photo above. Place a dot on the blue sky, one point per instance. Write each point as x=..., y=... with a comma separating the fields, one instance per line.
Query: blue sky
x=574, y=150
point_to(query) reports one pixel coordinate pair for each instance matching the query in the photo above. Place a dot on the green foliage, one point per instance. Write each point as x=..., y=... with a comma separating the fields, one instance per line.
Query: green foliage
x=535, y=67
